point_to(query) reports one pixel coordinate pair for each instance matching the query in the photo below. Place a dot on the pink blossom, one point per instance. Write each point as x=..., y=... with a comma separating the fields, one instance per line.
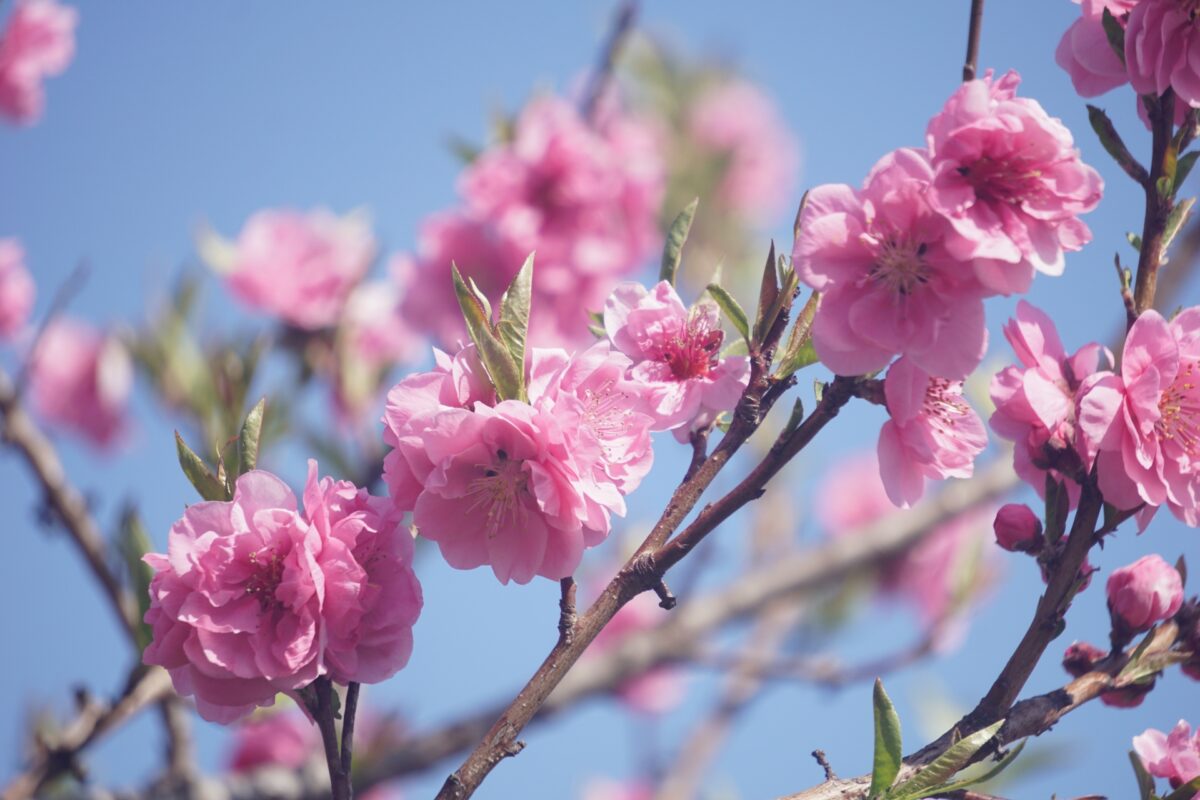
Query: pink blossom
x=300, y=267
x=38, y=42
x=1162, y=40
x=932, y=432
x=676, y=355
x=889, y=285
x=1084, y=51
x=253, y=598
x=1035, y=402
x=16, y=289
x=1143, y=427
x=601, y=789
x=1017, y=528
x=852, y=495
x=284, y=739
x=1144, y=593
x=658, y=690
x=80, y=379
x=1009, y=180
x=738, y=121
x=1174, y=756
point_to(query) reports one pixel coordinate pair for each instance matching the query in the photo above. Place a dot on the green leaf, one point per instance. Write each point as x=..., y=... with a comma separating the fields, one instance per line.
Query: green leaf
x=799, y=352
x=1115, y=33
x=798, y=223
x=888, y=747
x=507, y=377
x=984, y=777
x=927, y=782
x=1144, y=781
x=198, y=473
x=133, y=543
x=768, y=296
x=249, y=438
x=1165, y=187
x=1184, y=168
x=1176, y=220
x=676, y=236
x=1106, y=132
x=732, y=309
x=818, y=390
x=514, y=313
x=795, y=419
x=1134, y=240
x=1186, y=791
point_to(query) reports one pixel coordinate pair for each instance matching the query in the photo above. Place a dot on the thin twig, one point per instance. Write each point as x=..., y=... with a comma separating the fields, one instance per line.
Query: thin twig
x=973, y=31
x=1158, y=206
x=348, y=716
x=622, y=26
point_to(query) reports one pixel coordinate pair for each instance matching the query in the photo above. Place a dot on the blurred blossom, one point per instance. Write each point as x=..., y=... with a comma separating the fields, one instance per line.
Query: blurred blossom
x=851, y=495
x=38, y=42
x=740, y=125
x=1174, y=756
x=16, y=289
x=658, y=690
x=299, y=267
x=583, y=195
x=80, y=379
x=285, y=739
x=604, y=789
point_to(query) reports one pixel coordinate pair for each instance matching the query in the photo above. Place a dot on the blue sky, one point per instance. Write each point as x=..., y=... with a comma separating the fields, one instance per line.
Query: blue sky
x=177, y=113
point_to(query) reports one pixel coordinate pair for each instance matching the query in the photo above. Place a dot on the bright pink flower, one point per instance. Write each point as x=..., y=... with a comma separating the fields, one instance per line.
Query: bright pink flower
x=38, y=42
x=1162, y=43
x=1144, y=593
x=1035, y=402
x=889, y=286
x=16, y=289
x=656, y=691
x=1143, y=427
x=932, y=433
x=283, y=739
x=1084, y=51
x=676, y=355
x=742, y=125
x=1017, y=528
x=253, y=598
x=80, y=378
x=1009, y=180
x=1174, y=756
x=300, y=267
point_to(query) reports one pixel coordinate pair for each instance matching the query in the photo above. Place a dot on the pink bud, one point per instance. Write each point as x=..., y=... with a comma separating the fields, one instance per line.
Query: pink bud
x=1146, y=592
x=1017, y=528
x=1127, y=696
x=1080, y=658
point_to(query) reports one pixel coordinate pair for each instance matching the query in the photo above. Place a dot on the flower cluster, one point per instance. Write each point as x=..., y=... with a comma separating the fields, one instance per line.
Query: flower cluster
x=1174, y=756
x=584, y=194
x=254, y=597
x=37, y=43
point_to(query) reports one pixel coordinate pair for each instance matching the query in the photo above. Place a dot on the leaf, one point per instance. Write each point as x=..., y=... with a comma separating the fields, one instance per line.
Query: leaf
x=1184, y=167
x=133, y=543
x=795, y=419
x=198, y=473
x=1115, y=34
x=732, y=310
x=249, y=438
x=888, y=746
x=800, y=352
x=958, y=755
x=1181, y=568
x=768, y=296
x=818, y=390
x=1186, y=791
x=1134, y=240
x=984, y=777
x=1106, y=132
x=1152, y=655
x=514, y=313
x=676, y=236
x=798, y=223
x=506, y=376
x=1175, y=220
x=1144, y=781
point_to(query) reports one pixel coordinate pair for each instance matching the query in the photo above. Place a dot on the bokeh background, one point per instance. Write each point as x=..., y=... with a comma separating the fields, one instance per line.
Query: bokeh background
x=175, y=114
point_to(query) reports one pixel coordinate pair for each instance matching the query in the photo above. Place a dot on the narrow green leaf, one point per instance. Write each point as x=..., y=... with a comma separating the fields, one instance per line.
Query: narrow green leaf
x=1186, y=791
x=732, y=308
x=1115, y=33
x=514, y=313
x=198, y=473
x=984, y=777
x=768, y=296
x=1184, y=168
x=795, y=419
x=888, y=746
x=1144, y=781
x=798, y=223
x=249, y=438
x=1176, y=219
x=676, y=236
x=1134, y=240
x=1106, y=132
x=133, y=543
x=505, y=374
x=800, y=352
x=818, y=390
x=944, y=767
x=1165, y=187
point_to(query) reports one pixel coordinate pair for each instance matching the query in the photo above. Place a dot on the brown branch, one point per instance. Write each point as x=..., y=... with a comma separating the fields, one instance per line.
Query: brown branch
x=973, y=31
x=566, y=610
x=1158, y=207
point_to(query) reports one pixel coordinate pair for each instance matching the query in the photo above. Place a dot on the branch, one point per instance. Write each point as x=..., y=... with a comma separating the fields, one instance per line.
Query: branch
x=1158, y=205
x=976, y=25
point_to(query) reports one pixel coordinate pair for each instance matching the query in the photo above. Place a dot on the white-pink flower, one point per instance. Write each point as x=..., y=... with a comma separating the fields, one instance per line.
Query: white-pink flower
x=16, y=289
x=300, y=267
x=37, y=43
x=676, y=355
x=1174, y=756
x=1010, y=181
x=889, y=285
x=80, y=378
x=932, y=433
x=1162, y=39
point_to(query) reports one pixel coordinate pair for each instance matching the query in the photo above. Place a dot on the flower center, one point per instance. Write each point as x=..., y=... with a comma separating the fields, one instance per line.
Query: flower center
x=694, y=350
x=606, y=413
x=1009, y=181
x=900, y=266
x=943, y=402
x=499, y=490
x=268, y=574
x=1179, y=410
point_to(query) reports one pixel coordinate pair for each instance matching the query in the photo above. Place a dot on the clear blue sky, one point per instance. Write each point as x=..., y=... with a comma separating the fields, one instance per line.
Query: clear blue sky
x=174, y=113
